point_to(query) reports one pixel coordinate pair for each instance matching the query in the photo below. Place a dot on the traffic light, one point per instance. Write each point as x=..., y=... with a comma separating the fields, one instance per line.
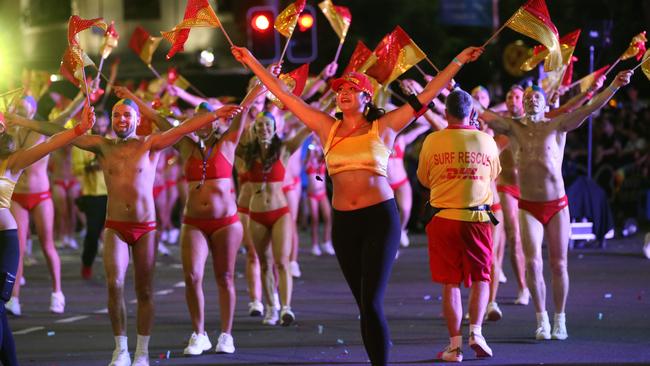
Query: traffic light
x=304, y=47
x=263, y=40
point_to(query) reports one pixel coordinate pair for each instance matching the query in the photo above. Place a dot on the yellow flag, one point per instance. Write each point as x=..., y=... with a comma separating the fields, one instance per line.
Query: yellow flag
x=339, y=17
x=286, y=22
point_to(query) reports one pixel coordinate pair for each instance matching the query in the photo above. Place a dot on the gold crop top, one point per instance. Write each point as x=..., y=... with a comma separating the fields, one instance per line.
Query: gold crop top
x=6, y=186
x=366, y=152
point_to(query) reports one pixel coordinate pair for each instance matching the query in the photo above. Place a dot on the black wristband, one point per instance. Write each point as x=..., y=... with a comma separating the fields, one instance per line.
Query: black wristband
x=414, y=102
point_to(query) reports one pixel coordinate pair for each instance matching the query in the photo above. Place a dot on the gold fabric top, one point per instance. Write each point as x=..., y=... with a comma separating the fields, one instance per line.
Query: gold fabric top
x=6, y=186
x=365, y=152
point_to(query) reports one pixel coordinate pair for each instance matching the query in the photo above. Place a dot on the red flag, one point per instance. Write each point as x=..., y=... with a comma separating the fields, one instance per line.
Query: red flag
x=361, y=56
x=110, y=40
x=72, y=65
x=198, y=13
x=143, y=44
x=568, y=74
x=396, y=53
x=299, y=76
x=77, y=24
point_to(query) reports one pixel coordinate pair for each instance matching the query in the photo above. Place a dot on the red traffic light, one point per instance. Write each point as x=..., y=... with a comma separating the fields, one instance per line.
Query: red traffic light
x=260, y=22
x=305, y=21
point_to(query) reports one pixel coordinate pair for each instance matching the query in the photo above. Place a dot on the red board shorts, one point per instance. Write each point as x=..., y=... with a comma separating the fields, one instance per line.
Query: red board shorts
x=459, y=251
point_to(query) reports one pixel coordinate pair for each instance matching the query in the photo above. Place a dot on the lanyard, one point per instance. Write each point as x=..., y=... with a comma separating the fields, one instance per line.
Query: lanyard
x=204, y=160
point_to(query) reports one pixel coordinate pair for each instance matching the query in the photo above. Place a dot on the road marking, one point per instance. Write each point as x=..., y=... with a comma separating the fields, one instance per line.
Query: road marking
x=164, y=292
x=101, y=311
x=72, y=319
x=28, y=330
x=180, y=284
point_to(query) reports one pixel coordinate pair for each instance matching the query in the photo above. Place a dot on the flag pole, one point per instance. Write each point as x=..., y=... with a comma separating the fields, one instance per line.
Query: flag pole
x=613, y=65
x=432, y=64
x=424, y=75
x=286, y=46
x=225, y=33
x=641, y=63
x=83, y=75
x=338, y=50
x=99, y=72
x=154, y=71
x=496, y=33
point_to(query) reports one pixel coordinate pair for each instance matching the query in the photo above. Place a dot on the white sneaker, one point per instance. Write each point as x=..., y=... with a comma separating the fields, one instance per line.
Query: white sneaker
x=294, y=269
x=57, y=302
x=287, y=316
x=315, y=251
x=225, y=344
x=255, y=308
x=559, y=331
x=270, y=315
x=502, y=278
x=13, y=306
x=523, y=297
x=451, y=354
x=646, y=246
x=543, y=331
x=493, y=313
x=162, y=249
x=164, y=236
x=173, y=236
x=404, y=239
x=141, y=359
x=327, y=247
x=197, y=344
x=120, y=358
x=71, y=243
x=479, y=345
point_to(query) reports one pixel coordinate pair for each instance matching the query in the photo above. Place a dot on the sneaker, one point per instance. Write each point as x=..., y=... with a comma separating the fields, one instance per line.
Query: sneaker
x=162, y=249
x=255, y=308
x=57, y=302
x=141, y=359
x=197, y=344
x=327, y=247
x=493, y=312
x=646, y=246
x=164, y=236
x=543, y=331
x=559, y=331
x=294, y=269
x=315, y=251
x=71, y=243
x=120, y=358
x=502, y=278
x=173, y=236
x=225, y=344
x=86, y=272
x=523, y=297
x=13, y=306
x=451, y=354
x=287, y=316
x=270, y=315
x=404, y=239
x=276, y=301
x=479, y=345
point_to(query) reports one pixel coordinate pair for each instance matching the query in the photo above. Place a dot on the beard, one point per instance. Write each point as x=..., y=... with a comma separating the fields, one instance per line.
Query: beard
x=125, y=133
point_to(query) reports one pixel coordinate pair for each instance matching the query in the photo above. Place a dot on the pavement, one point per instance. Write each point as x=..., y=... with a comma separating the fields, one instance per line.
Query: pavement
x=608, y=316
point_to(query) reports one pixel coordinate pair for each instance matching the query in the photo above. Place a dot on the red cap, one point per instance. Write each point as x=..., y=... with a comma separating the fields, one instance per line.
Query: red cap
x=358, y=81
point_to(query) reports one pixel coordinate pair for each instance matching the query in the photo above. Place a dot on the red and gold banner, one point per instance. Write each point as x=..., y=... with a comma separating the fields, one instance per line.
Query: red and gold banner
x=77, y=24
x=636, y=47
x=588, y=80
x=286, y=22
x=396, y=54
x=143, y=44
x=198, y=13
x=540, y=52
x=73, y=63
x=534, y=21
x=362, y=58
x=294, y=82
x=339, y=17
x=110, y=40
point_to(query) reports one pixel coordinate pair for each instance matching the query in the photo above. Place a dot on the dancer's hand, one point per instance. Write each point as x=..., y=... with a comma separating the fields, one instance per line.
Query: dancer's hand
x=470, y=54
x=228, y=111
x=623, y=78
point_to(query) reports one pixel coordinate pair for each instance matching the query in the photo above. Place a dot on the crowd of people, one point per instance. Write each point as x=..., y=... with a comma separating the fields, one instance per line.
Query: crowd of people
x=492, y=176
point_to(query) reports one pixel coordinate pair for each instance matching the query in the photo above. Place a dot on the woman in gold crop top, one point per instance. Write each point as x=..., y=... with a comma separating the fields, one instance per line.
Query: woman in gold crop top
x=366, y=227
x=12, y=163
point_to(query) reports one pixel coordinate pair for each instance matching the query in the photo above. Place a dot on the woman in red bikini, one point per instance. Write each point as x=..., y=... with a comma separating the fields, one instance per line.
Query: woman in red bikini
x=270, y=221
x=319, y=203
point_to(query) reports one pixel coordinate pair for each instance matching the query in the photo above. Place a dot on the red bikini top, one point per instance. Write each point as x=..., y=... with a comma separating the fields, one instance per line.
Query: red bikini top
x=257, y=175
x=398, y=153
x=213, y=167
x=318, y=169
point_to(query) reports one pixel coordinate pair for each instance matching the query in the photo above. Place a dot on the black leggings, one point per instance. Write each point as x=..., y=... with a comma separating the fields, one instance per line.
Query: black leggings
x=9, y=257
x=366, y=241
x=95, y=209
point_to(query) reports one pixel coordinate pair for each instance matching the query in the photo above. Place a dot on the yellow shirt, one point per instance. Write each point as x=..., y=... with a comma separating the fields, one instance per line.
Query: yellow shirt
x=362, y=152
x=92, y=183
x=458, y=165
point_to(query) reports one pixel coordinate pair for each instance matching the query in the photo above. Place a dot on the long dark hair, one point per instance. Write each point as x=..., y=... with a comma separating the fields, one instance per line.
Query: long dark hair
x=7, y=144
x=253, y=150
x=370, y=112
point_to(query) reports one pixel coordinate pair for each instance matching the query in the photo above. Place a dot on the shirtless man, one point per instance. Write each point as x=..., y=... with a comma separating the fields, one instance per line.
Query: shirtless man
x=543, y=205
x=129, y=163
x=32, y=196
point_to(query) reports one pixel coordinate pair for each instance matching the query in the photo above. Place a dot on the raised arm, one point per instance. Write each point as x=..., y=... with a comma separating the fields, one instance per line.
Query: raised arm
x=165, y=139
x=311, y=88
x=236, y=128
x=577, y=100
x=496, y=122
x=73, y=108
x=296, y=141
x=24, y=158
x=316, y=120
x=572, y=120
x=400, y=118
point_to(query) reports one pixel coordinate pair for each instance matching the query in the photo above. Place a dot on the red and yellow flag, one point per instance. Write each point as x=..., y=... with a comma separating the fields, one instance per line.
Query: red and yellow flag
x=286, y=22
x=533, y=20
x=339, y=17
x=361, y=60
x=294, y=81
x=143, y=44
x=396, y=54
x=540, y=52
x=198, y=13
x=645, y=66
x=110, y=40
x=77, y=24
x=636, y=47
x=73, y=63
x=588, y=80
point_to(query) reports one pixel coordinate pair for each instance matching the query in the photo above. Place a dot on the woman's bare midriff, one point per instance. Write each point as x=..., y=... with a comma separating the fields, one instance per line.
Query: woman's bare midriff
x=357, y=189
